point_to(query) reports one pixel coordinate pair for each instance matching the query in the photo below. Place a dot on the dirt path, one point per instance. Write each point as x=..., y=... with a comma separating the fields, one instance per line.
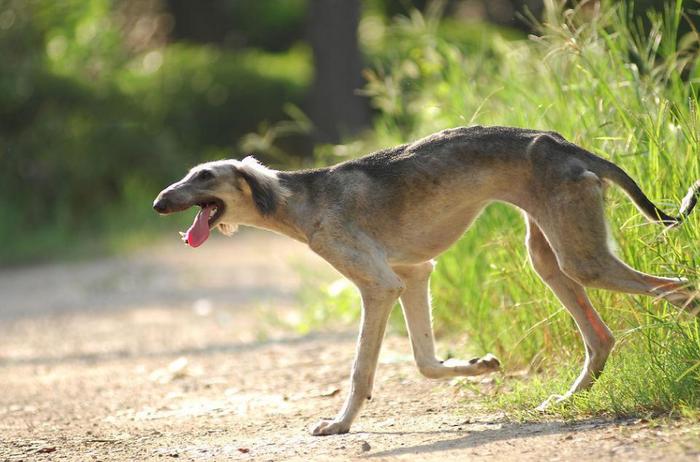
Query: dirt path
x=174, y=353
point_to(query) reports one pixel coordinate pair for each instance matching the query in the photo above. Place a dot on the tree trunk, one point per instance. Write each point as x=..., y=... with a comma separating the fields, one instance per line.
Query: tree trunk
x=333, y=104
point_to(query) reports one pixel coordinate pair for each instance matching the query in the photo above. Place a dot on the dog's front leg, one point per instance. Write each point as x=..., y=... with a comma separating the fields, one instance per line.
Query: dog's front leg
x=379, y=288
x=376, y=306
x=415, y=302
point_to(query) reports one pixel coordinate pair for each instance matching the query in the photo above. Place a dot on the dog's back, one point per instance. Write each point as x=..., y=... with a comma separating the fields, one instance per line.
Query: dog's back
x=425, y=192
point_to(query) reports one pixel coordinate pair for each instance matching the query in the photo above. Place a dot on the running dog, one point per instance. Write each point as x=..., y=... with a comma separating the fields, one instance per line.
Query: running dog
x=380, y=220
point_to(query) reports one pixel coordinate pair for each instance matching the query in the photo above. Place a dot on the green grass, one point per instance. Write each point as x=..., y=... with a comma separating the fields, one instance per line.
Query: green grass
x=624, y=93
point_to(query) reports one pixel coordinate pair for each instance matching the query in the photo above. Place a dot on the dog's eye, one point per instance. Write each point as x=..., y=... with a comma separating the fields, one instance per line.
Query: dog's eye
x=204, y=175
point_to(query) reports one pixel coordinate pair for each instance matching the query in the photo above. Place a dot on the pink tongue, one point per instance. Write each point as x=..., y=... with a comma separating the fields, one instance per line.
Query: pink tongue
x=199, y=231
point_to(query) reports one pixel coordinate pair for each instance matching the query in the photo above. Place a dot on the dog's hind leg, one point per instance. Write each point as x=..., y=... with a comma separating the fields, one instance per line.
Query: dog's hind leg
x=415, y=302
x=597, y=337
x=574, y=224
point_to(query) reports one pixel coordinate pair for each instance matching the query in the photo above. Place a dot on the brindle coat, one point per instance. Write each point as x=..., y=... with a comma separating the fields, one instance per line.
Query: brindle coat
x=381, y=219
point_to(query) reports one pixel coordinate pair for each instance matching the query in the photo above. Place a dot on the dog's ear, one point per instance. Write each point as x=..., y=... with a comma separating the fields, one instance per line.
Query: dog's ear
x=262, y=187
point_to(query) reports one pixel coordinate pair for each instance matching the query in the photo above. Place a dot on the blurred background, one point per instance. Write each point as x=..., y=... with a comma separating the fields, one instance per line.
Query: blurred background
x=103, y=102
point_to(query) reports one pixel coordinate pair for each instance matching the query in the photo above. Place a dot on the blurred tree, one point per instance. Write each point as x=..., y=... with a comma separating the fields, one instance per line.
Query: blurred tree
x=144, y=24
x=204, y=21
x=509, y=13
x=334, y=105
x=272, y=25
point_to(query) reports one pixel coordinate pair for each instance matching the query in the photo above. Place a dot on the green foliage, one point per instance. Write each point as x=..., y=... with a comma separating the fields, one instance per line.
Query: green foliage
x=209, y=97
x=269, y=24
x=88, y=127
x=627, y=95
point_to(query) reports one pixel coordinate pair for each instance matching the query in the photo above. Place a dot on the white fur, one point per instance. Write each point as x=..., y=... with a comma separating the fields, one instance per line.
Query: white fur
x=264, y=175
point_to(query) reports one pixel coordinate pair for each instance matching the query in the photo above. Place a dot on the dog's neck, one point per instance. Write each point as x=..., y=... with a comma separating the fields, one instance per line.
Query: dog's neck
x=283, y=221
x=290, y=216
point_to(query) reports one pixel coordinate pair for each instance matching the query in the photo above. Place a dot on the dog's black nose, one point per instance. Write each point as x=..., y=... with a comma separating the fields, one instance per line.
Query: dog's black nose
x=160, y=206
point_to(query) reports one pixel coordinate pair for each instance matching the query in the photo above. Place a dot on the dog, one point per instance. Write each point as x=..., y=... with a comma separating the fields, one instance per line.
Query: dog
x=380, y=220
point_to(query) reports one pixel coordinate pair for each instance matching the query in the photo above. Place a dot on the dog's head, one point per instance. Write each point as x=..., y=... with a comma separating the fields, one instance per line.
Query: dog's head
x=228, y=192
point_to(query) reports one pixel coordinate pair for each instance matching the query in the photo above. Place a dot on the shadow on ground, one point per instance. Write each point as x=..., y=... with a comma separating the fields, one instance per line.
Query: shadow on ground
x=504, y=431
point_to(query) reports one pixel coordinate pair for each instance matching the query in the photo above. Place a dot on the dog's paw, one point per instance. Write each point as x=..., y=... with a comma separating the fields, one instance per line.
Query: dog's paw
x=330, y=427
x=489, y=362
x=551, y=400
x=474, y=366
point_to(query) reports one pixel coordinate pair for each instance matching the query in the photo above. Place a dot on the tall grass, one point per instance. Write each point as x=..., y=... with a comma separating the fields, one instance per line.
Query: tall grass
x=626, y=92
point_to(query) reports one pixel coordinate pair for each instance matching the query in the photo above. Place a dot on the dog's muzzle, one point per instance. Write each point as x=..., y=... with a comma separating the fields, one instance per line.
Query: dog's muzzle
x=170, y=201
x=160, y=205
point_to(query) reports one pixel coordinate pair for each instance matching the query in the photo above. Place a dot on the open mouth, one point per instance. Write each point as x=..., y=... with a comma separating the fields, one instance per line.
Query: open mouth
x=215, y=208
x=208, y=217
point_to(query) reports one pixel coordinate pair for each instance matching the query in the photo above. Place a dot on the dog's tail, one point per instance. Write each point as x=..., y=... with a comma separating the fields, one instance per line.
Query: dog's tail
x=612, y=172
